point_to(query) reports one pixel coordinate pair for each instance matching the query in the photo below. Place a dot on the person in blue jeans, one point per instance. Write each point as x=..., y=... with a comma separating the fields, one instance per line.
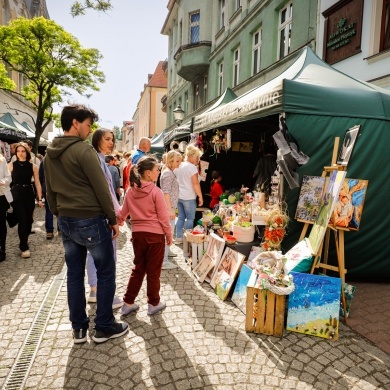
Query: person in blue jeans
x=189, y=188
x=78, y=194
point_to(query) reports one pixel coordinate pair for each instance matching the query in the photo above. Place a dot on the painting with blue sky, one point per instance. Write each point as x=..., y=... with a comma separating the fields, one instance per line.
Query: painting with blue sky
x=314, y=305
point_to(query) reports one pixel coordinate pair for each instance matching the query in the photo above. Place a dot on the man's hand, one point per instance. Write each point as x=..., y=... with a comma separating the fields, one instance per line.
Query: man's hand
x=200, y=202
x=115, y=231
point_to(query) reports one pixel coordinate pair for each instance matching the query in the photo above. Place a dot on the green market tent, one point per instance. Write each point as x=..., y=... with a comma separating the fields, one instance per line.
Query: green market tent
x=185, y=130
x=320, y=104
x=157, y=145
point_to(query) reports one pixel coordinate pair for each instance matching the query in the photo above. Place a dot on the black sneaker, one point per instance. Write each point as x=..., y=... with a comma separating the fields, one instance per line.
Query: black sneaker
x=79, y=336
x=117, y=329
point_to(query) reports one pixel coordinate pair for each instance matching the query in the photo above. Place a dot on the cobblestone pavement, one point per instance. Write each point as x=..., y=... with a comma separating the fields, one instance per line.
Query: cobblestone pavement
x=198, y=342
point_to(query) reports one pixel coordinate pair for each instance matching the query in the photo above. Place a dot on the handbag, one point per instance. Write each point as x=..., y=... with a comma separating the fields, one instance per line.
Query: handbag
x=11, y=218
x=289, y=148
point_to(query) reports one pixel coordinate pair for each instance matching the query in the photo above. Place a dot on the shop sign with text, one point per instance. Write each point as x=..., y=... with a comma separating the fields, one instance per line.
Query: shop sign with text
x=343, y=30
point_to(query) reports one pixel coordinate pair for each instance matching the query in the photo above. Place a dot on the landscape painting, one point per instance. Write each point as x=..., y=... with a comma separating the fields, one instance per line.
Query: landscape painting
x=310, y=197
x=314, y=305
x=239, y=294
x=327, y=206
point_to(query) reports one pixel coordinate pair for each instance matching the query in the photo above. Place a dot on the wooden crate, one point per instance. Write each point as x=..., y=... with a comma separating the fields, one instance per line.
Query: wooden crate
x=195, y=238
x=264, y=312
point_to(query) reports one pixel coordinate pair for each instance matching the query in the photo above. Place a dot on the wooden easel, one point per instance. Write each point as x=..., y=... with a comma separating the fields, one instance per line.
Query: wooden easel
x=322, y=262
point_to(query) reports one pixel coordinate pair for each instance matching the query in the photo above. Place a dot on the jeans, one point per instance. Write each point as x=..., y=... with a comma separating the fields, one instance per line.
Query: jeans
x=166, y=252
x=186, y=210
x=94, y=235
x=91, y=269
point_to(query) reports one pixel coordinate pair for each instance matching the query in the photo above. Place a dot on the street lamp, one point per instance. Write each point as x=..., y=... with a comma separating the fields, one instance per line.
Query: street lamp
x=178, y=114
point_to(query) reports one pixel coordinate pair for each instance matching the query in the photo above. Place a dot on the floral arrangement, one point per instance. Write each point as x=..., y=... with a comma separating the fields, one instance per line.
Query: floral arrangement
x=275, y=230
x=269, y=266
x=219, y=141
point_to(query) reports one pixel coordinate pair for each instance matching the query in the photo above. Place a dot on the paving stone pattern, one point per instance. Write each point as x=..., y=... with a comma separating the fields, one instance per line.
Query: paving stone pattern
x=198, y=342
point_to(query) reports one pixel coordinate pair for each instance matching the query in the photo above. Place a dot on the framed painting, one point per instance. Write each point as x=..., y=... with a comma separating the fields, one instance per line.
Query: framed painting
x=245, y=147
x=314, y=305
x=349, y=207
x=210, y=258
x=310, y=197
x=239, y=293
x=255, y=250
x=327, y=206
x=226, y=271
x=348, y=145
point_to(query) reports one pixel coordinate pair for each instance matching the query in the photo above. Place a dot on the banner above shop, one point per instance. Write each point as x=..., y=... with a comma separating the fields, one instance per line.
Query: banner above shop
x=309, y=86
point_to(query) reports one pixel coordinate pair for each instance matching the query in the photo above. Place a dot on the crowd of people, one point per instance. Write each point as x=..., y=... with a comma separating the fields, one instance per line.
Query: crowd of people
x=91, y=193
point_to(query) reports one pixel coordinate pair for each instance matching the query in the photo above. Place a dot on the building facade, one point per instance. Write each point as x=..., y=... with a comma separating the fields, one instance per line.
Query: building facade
x=240, y=44
x=354, y=37
x=13, y=103
x=149, y=118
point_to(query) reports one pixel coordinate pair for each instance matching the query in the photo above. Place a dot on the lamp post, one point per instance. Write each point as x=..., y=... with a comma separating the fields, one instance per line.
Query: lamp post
x=178, y=114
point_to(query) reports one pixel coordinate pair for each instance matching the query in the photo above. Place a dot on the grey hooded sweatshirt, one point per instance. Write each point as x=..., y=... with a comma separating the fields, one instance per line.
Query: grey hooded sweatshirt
x=75, y=183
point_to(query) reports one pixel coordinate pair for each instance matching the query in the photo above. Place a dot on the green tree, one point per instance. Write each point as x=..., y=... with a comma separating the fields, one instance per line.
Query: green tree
x=80, y=8
x=52, y=60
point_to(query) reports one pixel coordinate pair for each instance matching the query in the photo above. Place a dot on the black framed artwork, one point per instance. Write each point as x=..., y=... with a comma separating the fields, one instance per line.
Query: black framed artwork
x=348, y=145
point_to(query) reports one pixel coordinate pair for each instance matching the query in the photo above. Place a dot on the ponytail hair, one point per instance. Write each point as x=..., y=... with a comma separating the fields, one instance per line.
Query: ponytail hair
x=145, y=163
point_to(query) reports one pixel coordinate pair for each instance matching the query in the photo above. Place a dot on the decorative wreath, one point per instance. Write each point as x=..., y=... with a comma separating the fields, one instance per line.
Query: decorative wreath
x=173, y=144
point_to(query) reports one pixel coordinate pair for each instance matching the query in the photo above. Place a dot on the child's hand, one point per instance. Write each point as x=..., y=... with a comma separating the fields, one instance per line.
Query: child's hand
x=169, y=241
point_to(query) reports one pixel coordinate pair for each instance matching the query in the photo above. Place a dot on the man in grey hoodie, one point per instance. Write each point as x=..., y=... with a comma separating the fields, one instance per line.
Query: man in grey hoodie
x=78, y=195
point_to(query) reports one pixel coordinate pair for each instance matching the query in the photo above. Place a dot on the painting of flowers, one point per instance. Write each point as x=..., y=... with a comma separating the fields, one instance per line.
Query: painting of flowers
x=310, y=197
x=314, y=305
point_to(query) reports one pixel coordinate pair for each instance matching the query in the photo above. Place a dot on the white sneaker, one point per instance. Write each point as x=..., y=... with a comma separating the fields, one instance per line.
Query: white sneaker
x=178, y=240
x=26, y=254
x=171, y=254
x=155, y=309
x=168, y=265
x=117, y=302
x=127, y=309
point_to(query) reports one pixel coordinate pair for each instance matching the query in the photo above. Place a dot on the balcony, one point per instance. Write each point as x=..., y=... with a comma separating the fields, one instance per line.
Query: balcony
x=192, y=60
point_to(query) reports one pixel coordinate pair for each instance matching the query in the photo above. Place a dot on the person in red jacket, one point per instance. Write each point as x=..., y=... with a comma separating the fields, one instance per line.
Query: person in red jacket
x=216, y=188
x=126, y=175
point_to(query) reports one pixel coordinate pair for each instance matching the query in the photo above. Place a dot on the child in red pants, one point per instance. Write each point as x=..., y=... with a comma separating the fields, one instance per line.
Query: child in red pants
x=151, y=229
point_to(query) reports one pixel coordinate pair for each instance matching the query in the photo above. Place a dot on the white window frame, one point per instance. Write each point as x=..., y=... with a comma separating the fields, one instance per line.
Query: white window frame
x=284, y=28
x=194, y=25
x=238, y=4
x=222, y=9
x=236, y=67
x=220, y=78
x=256, y=50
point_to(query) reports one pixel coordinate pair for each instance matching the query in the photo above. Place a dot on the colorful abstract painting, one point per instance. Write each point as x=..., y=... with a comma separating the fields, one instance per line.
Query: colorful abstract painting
x=310, y=197
x=327, y=206
x=314, y=305
x=239, y=294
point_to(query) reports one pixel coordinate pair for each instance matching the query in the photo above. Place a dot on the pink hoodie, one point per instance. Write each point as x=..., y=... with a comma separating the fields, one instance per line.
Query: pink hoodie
x=147, y=209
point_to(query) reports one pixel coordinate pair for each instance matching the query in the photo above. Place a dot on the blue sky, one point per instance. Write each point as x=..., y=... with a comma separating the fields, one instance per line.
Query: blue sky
x=130, y=41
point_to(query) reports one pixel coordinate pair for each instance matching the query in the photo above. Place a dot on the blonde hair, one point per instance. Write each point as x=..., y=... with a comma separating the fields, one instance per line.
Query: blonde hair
x=172, y=155
x=192, y=150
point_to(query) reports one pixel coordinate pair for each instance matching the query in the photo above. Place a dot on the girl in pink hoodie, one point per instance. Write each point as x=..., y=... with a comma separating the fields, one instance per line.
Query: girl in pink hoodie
x=145, y=204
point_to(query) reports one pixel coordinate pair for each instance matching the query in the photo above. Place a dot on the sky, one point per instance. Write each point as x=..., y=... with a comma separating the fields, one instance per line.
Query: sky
x=130, y=40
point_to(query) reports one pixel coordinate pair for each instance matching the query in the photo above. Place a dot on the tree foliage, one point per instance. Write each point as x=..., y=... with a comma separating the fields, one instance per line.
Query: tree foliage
x=52, y=60
x=79, y=8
